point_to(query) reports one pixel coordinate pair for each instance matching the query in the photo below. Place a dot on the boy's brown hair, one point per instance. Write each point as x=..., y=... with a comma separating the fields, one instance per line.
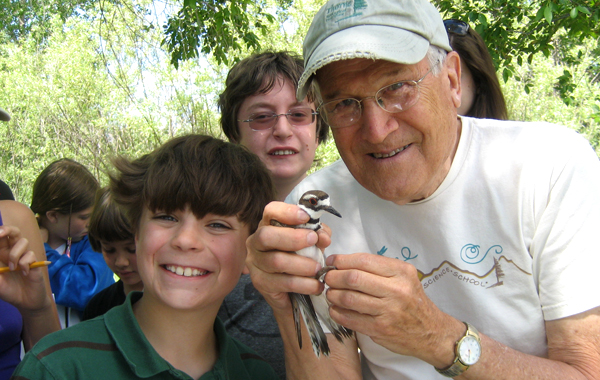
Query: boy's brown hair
x=258, y=74
x=108, y=223
x=207, y=174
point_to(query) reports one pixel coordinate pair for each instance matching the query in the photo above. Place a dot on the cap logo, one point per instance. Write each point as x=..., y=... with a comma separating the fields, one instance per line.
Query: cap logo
x=344, y=9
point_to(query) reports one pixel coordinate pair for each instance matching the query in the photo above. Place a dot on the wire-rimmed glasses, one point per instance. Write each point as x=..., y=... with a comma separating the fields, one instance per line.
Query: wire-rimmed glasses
x=297, y=117
x=393, y=98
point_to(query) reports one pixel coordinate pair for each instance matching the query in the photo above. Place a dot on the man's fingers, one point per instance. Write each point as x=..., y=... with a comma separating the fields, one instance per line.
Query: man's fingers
x=356, y=301
x=367, y=262
x=282, y=283
x=284, y=263
x=324, y=234
x=271, y=238
x=284, y=213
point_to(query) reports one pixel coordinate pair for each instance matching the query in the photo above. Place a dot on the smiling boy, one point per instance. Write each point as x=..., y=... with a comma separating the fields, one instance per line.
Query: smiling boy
x=192, y=204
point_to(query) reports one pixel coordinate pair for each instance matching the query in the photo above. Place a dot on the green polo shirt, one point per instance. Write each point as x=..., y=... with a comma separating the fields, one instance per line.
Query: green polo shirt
x=113, y=346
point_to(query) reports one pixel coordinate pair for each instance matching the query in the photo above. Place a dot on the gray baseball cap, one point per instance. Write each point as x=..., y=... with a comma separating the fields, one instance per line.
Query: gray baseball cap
x=4, y=116
x=392, y=30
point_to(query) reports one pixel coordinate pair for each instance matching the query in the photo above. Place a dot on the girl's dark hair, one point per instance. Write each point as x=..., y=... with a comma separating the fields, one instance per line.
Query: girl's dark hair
x=258, y=74
x=488, y=101
x=108, y=222
x=207, y=174
x=64, y=186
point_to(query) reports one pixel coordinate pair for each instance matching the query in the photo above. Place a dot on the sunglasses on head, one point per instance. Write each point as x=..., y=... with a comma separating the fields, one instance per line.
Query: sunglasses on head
x=456, y=27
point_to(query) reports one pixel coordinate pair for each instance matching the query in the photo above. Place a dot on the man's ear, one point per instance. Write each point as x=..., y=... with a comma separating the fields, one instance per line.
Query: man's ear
x=454, y=74
x=52, y=216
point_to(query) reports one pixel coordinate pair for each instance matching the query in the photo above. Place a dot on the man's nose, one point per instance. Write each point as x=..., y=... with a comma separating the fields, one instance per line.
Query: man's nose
x=376, y=123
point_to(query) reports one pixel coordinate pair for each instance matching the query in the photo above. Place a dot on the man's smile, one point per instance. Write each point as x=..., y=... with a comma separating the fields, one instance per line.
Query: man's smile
x=390, y=154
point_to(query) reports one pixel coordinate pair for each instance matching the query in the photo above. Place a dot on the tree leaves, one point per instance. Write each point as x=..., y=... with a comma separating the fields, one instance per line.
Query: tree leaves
x=217, y=27
x=518, y=29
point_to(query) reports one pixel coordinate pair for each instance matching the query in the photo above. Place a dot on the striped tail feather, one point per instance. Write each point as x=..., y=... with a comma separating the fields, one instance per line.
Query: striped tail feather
x=340, y=332
x=317, y=335
x=321, y=306
x=296, y=314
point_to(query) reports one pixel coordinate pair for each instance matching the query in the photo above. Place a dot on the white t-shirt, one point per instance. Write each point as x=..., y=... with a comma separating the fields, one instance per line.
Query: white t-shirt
x=508, y=240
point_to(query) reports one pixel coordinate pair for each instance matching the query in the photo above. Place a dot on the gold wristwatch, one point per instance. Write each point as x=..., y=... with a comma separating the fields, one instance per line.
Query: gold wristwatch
x=467, y=350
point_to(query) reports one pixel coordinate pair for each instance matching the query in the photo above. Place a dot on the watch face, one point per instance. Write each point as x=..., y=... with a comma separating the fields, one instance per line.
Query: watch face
x=469, y=350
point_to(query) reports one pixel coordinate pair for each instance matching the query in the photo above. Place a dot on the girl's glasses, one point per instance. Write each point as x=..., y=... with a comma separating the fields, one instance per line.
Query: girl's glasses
x=456, y=27
x=297, y=117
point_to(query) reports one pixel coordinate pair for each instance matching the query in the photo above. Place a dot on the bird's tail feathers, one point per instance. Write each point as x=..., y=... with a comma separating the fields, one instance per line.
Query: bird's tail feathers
x=340, y=332
x=296, y=313
x=321, y=306
x=317, y=335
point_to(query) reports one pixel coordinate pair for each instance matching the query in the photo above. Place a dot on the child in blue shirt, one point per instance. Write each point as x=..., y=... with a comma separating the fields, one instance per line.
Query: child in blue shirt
x=63, y=198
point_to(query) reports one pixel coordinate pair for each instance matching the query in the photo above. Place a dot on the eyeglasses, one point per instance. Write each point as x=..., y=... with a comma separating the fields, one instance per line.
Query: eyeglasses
x=456, y=27
x=393, y=98
x=297, y=117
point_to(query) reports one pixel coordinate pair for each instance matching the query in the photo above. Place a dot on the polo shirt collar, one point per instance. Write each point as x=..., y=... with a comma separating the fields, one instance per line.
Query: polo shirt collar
x=143, y=359
x=124, y=329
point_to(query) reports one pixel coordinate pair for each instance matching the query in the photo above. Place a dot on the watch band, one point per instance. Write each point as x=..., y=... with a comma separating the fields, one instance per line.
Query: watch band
x=457, y=367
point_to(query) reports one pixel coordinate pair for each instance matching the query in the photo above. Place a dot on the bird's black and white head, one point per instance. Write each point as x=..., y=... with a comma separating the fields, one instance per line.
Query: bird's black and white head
x=315, y=203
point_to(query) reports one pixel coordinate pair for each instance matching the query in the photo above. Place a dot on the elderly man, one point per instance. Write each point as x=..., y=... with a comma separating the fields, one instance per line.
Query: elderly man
x=467, y=247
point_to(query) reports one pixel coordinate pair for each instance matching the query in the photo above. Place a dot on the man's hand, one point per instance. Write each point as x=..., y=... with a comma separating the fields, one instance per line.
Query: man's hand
x=274, y=267
x=384, y=299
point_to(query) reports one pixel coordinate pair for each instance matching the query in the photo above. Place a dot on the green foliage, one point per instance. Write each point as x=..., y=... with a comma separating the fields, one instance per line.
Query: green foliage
x=217, y=27
x=544, y=103
x=95, y=81
x=99, y=86
x=20, y=19
x=519, y=29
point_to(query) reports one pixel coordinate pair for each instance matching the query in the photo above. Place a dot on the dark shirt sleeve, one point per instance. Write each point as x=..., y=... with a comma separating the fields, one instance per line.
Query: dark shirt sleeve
x=102, y=302
x=5, y=192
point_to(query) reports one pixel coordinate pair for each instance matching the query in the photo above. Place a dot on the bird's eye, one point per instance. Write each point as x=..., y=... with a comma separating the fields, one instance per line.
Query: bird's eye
x=313, y=201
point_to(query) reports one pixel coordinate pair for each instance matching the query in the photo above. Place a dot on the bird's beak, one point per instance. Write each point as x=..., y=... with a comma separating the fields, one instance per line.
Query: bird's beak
x=333, y=211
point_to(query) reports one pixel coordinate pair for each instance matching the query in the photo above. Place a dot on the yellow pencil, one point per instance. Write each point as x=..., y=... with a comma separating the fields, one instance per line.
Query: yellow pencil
x=36, y=264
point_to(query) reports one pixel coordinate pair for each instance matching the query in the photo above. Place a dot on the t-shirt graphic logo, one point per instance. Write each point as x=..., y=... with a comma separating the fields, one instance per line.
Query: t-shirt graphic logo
x=405, y=251
x=475, y=273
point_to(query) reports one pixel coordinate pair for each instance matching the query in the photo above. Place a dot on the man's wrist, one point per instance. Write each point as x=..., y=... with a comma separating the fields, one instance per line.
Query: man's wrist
x=467, y=352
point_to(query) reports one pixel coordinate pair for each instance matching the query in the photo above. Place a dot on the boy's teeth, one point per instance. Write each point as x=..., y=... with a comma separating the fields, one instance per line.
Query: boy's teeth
x=186, y=272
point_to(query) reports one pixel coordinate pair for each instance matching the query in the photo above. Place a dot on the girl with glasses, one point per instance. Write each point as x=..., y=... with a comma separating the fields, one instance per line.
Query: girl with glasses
x=259, y=110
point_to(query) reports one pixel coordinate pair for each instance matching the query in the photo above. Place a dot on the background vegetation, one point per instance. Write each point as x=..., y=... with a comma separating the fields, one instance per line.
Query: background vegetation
x=90, y=79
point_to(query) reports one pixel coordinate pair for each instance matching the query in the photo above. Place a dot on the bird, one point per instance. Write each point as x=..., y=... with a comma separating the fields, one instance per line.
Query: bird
x=315, y=307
